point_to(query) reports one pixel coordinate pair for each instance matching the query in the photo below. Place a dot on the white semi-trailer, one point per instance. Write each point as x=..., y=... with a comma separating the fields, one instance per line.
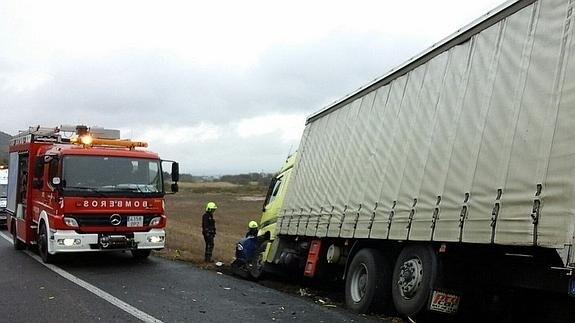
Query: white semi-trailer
x=452, y=175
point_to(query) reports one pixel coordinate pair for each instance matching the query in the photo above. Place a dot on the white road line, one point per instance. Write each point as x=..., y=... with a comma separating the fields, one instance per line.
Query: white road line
x=93, y=289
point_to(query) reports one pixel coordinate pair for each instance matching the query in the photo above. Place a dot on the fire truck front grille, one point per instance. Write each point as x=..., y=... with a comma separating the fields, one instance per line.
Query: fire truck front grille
x=108, y=220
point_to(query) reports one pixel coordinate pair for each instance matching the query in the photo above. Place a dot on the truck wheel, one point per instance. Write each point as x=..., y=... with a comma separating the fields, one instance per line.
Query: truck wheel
x=368, y=281
x=414, y=276
x=43, y=245
x=141, y=253
x=256, y=265
x=16, y=243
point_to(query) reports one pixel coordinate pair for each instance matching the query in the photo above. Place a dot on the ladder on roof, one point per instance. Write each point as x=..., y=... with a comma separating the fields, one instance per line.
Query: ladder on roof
x=39, y=133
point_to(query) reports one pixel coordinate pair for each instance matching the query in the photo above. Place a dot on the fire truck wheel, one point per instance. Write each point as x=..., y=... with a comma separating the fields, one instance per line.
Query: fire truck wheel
x=257, y=262
x=368, y=282
x=414, y=276
x=141, y=254
x=43, y=245
x=18, y=245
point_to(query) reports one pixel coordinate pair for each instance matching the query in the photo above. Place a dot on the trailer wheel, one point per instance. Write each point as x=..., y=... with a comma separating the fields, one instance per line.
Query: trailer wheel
x=43, y=245
x=141, y=253
x=257, y=262
x=16, y=243
x=368, y=281
x=414, y=276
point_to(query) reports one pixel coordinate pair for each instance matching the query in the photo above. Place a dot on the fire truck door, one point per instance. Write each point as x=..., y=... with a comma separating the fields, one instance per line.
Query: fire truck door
x=22, y=193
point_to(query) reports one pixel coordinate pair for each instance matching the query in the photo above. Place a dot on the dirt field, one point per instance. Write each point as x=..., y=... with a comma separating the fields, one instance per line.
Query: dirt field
x=237, y=205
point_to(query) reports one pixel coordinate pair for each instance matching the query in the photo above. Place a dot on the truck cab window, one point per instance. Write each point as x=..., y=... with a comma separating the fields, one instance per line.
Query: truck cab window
x=275, y=190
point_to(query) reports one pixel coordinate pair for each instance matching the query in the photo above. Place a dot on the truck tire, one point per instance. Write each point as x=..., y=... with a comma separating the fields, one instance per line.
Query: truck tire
x=141, y=253
x=414, y=276
x=368, y=282
x=43, y=245
x=256, y=265
x=16, y=243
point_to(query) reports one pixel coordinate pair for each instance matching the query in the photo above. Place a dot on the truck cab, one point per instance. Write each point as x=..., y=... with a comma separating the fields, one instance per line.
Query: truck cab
x=262, y=258
x=274, y=198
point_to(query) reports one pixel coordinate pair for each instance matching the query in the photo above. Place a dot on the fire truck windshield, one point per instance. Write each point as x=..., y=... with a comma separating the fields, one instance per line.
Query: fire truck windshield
x=104, y=175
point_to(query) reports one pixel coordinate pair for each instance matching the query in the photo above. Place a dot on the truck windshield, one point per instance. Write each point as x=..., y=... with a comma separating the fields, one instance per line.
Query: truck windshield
x=111, y=175
x=2, y=190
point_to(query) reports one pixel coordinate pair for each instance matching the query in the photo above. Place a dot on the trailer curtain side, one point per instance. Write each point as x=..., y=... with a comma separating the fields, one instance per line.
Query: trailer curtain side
x=475, y=145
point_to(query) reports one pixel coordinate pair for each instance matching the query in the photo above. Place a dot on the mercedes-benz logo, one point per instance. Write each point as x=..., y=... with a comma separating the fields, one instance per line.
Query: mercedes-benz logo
x=115, y=219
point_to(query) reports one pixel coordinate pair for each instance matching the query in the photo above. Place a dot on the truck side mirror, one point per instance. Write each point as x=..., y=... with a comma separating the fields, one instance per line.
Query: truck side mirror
x=175, y=172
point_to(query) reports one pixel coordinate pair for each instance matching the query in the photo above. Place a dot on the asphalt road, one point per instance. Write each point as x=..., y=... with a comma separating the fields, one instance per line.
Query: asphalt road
x=112, y=287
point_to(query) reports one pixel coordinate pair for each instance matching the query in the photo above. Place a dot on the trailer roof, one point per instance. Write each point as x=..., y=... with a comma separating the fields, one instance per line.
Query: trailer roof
x=460, y=36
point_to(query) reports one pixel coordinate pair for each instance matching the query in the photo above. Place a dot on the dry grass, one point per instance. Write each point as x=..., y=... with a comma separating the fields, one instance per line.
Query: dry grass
x=237, y=205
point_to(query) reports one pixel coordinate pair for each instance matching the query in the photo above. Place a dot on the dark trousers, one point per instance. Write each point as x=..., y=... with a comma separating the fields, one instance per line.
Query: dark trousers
x=209, y=240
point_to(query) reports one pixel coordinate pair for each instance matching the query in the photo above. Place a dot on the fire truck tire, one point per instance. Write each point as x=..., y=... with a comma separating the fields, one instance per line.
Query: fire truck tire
x=43, y=245
x=414, y=276
x=141, y=254
x=368, y=282
x=18, y=245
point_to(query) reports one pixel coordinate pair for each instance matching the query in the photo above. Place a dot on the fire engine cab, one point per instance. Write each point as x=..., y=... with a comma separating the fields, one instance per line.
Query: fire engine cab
x=80, y=189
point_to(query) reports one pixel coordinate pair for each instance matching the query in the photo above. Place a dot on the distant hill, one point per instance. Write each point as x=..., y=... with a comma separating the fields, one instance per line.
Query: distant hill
x=4, y=141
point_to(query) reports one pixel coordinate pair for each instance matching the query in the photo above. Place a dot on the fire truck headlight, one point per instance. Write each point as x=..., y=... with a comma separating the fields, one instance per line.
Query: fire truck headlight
x=155, y=221
x=69, y=242
x=71, y=222
x=156, y=239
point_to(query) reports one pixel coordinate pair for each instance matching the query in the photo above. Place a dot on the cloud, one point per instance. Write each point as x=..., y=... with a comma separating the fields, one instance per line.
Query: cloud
x=222, y=91
x=287, y=128
x=213, y=119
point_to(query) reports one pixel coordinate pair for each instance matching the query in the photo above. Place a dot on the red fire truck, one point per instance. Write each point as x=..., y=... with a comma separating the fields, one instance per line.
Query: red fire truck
x=80, y=189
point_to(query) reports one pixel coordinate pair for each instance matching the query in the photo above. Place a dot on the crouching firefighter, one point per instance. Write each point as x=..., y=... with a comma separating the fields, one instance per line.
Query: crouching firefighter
x=246, y=251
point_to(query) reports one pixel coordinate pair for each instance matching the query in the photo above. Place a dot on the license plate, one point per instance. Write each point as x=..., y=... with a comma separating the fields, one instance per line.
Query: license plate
x=444, y=302
x=136, y=221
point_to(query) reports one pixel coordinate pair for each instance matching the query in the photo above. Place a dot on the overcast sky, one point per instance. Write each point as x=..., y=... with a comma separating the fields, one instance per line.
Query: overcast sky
x=223, y=87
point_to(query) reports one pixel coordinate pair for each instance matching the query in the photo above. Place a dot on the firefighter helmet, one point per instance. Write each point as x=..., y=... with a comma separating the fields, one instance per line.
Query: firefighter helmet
x=211, y=206
x=253, y=225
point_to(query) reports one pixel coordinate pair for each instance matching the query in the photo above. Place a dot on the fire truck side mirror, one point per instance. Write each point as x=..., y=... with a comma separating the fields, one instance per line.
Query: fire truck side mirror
x=175, y=172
